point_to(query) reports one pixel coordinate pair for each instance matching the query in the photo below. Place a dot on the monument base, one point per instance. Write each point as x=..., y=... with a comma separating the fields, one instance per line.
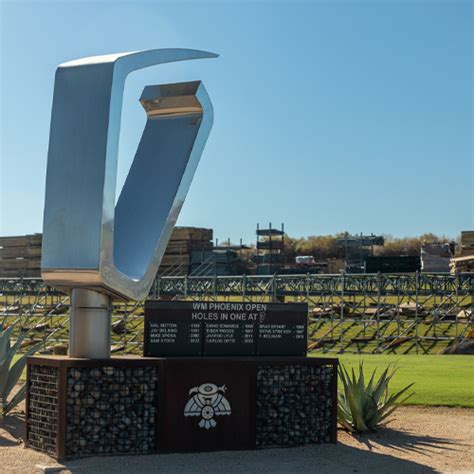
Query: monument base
x=138, y=405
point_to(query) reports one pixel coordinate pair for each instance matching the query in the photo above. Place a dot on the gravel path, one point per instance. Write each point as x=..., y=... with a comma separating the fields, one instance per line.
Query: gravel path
x=419, y=440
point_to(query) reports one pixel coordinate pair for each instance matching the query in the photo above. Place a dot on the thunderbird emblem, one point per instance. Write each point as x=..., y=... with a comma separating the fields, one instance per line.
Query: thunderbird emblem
x=207, y=401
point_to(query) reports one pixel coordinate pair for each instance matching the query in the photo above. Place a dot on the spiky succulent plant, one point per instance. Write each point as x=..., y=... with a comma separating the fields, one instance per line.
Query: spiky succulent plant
x=10, y=372
x=364, y=407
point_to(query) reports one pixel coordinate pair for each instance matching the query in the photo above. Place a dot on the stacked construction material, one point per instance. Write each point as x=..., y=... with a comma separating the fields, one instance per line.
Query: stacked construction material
x=435, y=257
x=357, y=248
x=20, y=256
x=462, y=264
x=464, y=261
x=467, y=243
x=220, y=262
x=183, y=242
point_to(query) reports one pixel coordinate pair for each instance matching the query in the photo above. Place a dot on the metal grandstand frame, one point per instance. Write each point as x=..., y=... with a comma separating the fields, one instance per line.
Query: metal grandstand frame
x=363, y=313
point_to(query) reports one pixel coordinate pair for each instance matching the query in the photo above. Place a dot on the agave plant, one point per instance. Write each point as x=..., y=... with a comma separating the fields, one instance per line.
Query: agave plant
x=10, y=373
x=364, y=407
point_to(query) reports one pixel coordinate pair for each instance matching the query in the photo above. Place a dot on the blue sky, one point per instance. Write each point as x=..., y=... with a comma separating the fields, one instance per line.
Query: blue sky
x=329, y=116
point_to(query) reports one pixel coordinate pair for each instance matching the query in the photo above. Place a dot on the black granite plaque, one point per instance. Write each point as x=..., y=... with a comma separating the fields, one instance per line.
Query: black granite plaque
x=173, y=334
x=280, y=336
x=230, y=338
x=213, y=328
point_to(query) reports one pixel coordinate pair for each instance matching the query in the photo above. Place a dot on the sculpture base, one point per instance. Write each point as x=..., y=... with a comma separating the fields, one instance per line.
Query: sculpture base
x=137, y=405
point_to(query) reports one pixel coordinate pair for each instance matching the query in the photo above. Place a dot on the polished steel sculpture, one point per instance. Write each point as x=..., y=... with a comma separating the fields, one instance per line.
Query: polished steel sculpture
x=92, y=248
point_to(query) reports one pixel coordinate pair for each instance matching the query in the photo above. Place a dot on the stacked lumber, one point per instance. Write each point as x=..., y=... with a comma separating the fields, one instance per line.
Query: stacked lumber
x=188, y=234
x=464, y=260
x=20, y=256
x=467, y=243
x=462, y=264
x=183, y=242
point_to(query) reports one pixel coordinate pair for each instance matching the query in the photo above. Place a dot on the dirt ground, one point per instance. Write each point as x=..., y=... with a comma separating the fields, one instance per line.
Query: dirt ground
x=418, y=440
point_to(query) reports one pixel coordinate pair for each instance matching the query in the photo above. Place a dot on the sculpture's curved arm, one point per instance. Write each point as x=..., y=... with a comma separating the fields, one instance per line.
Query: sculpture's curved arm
x=87, y=242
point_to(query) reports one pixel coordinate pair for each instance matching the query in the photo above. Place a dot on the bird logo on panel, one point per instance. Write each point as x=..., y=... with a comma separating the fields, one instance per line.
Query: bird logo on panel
x=207, y=401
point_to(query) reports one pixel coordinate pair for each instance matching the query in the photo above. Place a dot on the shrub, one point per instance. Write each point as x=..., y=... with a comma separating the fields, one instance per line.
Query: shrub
x=10, y=373
x=364, y=407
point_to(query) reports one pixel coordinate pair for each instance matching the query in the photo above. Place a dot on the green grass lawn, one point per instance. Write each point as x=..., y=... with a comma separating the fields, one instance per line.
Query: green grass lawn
x=439, y=380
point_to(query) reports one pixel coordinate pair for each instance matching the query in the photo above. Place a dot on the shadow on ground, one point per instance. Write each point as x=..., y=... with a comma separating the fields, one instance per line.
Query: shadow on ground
x=340, y=458
x=14, y=428
x=406, y=441
x=317, y=458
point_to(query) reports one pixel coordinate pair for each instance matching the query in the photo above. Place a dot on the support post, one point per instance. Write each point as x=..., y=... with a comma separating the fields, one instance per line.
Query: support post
x=89, y=326
x=417, y=292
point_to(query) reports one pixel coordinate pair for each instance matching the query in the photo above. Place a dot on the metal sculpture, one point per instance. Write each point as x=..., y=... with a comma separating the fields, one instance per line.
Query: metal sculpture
x=92, y=248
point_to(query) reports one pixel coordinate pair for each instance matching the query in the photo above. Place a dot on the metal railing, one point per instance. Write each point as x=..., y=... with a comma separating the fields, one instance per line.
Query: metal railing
x=366, y=313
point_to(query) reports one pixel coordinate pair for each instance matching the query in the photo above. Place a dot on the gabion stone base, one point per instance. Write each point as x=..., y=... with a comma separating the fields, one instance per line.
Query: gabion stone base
x=134, y=405
x=294, y=405
x=82, y=407
x=42, y=404
x=111, y=410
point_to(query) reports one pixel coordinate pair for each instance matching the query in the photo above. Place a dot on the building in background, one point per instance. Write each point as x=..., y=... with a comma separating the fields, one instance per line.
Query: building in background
x=435, y=257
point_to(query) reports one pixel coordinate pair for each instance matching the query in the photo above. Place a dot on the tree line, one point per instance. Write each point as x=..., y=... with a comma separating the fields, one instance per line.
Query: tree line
x=324, y=247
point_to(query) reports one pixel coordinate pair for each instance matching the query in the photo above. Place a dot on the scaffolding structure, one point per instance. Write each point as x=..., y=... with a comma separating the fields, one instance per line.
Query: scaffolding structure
x=221, y=260
x=362, y=313
x=357, y=248
x=270, y=246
